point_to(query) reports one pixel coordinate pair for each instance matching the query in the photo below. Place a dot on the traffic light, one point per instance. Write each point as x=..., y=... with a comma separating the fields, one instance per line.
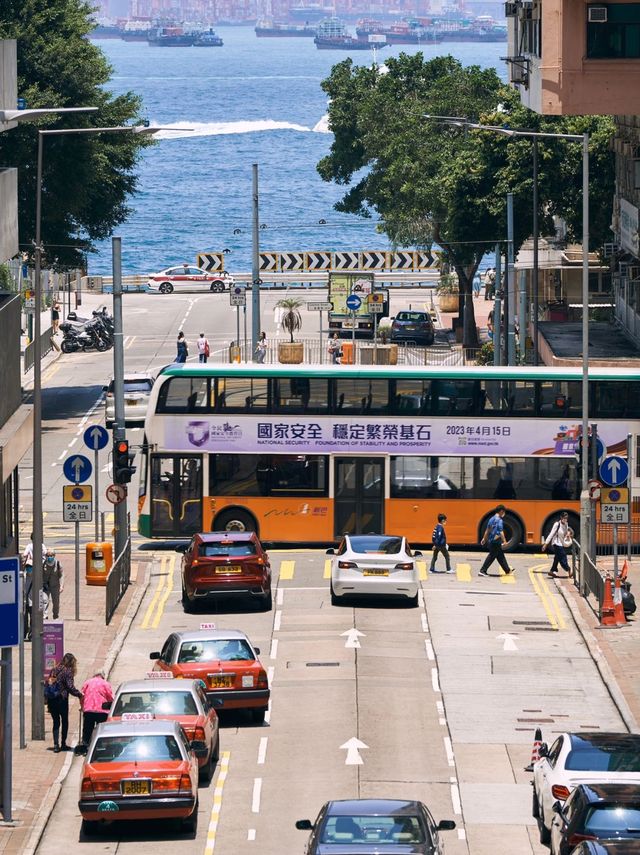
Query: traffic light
x=122, y=460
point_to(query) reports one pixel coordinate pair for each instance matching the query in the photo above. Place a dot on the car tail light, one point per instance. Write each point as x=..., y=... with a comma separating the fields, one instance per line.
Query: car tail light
x=559, y=791
x=167, y=782
x=87, y=787
x=406, y=565
x=344, y=565
x=263, y=683
x=185, y=783
x=199, y=734
x=578, y=838
x=105, y=786
x=190, y=733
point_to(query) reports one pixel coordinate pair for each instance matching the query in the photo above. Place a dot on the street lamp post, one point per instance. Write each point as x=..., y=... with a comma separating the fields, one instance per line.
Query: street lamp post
x=37, y=661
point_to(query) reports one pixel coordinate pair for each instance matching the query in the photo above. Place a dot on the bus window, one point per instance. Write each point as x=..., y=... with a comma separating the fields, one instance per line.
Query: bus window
x=183, y=395
x=233, y=475
x=301, y=395
x=361, y=396
x=456, y=398
x=242, y=395
x=288, y=475
x=411, y=397
x=425, y=477
x=525, y=478
x=559, y=398
x=613, y=400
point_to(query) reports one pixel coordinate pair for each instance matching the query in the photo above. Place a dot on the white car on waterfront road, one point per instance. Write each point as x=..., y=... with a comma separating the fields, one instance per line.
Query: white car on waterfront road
x=185, y=277
x=380, y=565
x=581, y=758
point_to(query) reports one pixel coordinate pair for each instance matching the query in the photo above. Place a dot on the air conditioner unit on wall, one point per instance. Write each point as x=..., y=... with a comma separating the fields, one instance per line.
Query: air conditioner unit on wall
x=597, y=14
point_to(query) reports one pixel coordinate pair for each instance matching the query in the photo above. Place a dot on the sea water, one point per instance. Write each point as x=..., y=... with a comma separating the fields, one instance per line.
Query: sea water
x=251, y=101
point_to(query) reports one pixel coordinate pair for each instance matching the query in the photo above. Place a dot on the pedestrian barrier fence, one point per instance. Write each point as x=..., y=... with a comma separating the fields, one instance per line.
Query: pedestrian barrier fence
x=47, y=343
x=588, y=578
x=118, y=581
x=604, y=539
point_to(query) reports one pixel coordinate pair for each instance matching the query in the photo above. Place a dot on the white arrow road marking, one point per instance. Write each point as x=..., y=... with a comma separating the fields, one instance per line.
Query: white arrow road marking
x=509, y=641
x=352, y=637
x=353, y=747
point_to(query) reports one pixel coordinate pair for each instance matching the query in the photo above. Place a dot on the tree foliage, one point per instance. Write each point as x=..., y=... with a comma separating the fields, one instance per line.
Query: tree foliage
x=433, y=182
x=86, y=179
x=291, y=318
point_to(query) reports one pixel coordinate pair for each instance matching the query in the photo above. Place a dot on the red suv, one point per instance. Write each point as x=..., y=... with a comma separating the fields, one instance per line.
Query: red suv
x=225, y=564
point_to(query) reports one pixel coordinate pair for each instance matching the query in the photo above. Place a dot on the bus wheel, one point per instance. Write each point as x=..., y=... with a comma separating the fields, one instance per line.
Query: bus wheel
x=234, y=521
x=512, y=532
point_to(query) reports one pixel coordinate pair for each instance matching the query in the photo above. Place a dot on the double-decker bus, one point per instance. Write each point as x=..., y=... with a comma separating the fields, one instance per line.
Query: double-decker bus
x=302, y=453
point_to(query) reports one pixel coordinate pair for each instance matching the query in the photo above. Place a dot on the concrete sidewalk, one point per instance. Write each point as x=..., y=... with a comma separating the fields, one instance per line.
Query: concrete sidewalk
x=38, y=773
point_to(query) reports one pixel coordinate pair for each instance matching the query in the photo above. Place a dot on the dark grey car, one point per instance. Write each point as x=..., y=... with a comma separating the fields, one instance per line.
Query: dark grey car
x=374, y=827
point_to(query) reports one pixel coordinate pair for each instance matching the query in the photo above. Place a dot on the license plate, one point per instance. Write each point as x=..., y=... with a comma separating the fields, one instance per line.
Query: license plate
x=221, y=681
x=347, y=325
x=136, y=788
x=132, y=402
x=231, y=568
x=375, y=572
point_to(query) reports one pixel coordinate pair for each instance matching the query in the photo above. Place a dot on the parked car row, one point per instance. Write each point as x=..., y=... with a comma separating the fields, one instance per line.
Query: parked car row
x=586, y=793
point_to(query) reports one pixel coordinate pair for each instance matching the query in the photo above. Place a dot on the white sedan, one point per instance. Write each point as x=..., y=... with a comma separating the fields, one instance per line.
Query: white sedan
x=381, y=565
x=188, y=278
x=581, y=758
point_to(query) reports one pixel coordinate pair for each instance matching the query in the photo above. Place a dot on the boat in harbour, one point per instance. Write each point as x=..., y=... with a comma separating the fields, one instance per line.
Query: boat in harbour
x=276, y=29
x=171, y=37
x=208, y=39
x=332, y=35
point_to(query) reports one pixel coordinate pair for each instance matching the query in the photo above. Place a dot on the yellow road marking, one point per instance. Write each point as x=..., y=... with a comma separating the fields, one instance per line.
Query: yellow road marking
x=167, y=592
x=50, y=372
x=327, y=569
x=422, y=570
x=286, y=569
x=547, y=596
x=507, y=578
x=463, y=572
x=161, y=583
x=214, y=817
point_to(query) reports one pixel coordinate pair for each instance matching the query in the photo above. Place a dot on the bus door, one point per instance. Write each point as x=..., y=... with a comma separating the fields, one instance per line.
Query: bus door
x=358, y=495
x=176, y=495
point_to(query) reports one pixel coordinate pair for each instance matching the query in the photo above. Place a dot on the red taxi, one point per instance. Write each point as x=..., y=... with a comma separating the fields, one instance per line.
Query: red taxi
x=225, y=661
x=139, y=770
x=225, y=564
x=183, y=701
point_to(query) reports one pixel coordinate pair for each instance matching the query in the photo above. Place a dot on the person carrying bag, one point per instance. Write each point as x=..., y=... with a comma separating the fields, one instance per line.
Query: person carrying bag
x=560, y=538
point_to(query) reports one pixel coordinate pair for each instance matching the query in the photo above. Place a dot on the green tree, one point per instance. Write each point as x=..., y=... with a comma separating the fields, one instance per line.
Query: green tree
x=86, y=179
x=431, y=182
x=291, y=318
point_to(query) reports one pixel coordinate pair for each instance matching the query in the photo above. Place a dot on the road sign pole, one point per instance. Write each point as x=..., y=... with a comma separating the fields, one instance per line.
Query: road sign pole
x=7, y=724
x=21, y=705
x=629, y=485
x=96, y=500
x=353, y=337
x=615, y=551
x=238, y=326
x=320, y=340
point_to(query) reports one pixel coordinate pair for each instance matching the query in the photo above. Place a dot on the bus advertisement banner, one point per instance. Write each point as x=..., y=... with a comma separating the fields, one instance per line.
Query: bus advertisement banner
x=360, y=435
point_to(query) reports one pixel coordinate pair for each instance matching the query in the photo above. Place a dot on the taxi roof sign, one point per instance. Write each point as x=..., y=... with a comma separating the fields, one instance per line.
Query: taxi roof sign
x=207, y=626
x=137, y=716
x=159, y=675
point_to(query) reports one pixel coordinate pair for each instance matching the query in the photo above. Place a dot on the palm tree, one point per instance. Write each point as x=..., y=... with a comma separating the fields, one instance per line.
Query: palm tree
x=292, y=319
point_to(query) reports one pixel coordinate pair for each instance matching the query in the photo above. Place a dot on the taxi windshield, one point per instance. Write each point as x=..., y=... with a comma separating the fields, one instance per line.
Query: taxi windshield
x=159, y=703
x=220, y=649
x=135, y=748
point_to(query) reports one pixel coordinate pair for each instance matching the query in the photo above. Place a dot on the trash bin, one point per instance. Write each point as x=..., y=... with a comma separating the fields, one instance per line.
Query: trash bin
x=347, y=353
x=235, y=353
x=99, y=560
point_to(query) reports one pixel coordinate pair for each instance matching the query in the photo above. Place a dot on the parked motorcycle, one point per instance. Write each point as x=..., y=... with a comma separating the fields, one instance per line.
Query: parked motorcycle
x=83, y=338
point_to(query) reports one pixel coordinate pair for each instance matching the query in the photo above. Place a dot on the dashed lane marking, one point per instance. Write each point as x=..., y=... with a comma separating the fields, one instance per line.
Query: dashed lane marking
x=255, y=799
x=214, y=818
x=463, y=572
x=507, y=578
x=287, y=569
x=422, y=570
x=327, y=569
x=262, y=750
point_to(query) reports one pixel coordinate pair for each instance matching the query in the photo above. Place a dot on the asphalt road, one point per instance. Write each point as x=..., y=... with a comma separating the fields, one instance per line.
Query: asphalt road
x=445, y=697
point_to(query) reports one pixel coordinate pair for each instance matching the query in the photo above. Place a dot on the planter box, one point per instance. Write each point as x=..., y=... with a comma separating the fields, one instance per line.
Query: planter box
x=291, y=353
x=448, y=302
x=384, y=354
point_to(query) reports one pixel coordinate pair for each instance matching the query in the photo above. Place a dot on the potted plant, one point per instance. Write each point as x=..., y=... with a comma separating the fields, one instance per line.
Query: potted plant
x=291, y=352
x=447, y=292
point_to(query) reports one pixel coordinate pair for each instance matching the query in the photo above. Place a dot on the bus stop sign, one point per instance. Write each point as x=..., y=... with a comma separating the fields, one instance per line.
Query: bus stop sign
x=9, y=601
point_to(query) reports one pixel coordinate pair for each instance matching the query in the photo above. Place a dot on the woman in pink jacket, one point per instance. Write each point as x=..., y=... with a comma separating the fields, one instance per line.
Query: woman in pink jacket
x=95, y=692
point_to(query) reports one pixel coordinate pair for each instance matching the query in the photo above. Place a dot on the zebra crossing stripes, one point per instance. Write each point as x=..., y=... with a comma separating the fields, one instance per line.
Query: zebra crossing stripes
x=317, y=261
x=212, y=262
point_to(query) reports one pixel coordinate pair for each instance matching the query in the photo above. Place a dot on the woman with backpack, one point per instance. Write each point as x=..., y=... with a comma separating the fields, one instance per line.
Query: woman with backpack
x=58, y=686
x=560, y=538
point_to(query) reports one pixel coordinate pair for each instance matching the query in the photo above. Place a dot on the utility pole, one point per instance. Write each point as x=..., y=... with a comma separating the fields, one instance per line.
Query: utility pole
x=255, y=269
x=510, y=300
x=497, y=309
x=119, y=433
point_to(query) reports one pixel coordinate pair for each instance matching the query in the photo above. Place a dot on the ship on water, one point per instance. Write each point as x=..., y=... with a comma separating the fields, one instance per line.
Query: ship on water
x=405, y=32
x=208, y=39
x=332, y=35
x=266, y=28
x=483, y=28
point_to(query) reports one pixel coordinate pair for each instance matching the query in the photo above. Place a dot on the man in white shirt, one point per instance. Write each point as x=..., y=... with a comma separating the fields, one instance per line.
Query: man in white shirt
x=559, y=538
x=203, y=348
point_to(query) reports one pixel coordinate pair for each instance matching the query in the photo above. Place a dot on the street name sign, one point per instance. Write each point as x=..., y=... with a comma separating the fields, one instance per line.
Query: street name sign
x=319, y=307
x=77, y=503
x=9, y=601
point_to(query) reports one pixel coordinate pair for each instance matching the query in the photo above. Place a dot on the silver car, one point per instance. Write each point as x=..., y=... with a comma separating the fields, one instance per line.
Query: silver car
x=137, y=391
x=380, y=565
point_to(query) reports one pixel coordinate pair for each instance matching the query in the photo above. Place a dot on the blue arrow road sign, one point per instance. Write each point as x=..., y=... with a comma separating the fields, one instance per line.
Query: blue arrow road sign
x=95, y=437
x=614, y=471
x=9, y=601
x=353, y=302
x=77, y=468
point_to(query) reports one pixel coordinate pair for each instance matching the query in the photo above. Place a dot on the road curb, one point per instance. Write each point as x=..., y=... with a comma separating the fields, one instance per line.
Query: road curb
x=604, y=669
x=50, y=799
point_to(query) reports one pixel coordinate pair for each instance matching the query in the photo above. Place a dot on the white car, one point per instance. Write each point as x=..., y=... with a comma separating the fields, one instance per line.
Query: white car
x=137, y=391
x=581, y=758
x=381, y=565
x=188, y=278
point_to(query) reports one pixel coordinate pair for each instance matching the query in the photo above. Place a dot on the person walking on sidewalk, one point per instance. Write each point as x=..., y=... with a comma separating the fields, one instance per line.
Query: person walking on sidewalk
x=439, y=540
x=59, y=685
x=55, y=316
x=261, y=348
x=494, y=537
x=27, y=565
x=559, y=538
x=203, y=348
x=182, y=351
x=95, y=692
x=53, y=580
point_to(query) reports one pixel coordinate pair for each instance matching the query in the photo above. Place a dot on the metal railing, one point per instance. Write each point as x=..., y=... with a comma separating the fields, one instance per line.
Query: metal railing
x=588, y=579
x=118, y=581
x=627, y=534
x=47, y=343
